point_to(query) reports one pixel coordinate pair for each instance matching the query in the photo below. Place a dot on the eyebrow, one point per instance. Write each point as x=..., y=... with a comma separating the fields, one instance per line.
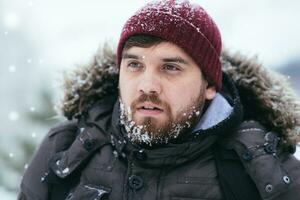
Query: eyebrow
x=128, y=56
x=176, y=59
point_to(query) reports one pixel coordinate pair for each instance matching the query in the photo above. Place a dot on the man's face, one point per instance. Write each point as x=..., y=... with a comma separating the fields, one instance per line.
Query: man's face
x=162, y=92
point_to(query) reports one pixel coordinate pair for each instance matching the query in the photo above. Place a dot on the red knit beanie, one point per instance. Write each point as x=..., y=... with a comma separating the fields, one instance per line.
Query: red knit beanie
x=184, y=24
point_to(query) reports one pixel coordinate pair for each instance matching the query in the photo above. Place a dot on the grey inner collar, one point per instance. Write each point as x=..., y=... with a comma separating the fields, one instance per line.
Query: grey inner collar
x=218, y=110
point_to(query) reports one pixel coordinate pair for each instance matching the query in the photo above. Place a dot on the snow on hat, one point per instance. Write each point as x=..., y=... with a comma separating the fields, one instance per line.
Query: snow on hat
x=184, y=24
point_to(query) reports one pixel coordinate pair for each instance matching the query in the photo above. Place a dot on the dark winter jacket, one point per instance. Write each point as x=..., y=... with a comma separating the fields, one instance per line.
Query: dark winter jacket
x=248, y=155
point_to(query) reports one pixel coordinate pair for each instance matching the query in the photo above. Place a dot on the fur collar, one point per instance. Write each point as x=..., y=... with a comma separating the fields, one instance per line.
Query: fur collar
x=266, y=96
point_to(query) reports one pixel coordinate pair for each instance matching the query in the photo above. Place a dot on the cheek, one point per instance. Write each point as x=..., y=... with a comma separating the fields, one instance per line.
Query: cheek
x=181, y=95
x=127, y=90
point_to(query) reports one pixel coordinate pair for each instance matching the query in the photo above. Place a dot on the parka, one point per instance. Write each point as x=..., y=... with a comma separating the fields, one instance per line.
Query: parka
x=248, y=155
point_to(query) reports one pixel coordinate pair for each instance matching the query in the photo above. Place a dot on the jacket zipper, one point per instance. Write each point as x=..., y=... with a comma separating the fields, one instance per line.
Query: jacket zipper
x=128, y=172
x=158, y=190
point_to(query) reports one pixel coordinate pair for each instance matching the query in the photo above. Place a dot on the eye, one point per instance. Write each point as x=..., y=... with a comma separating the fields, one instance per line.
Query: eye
x=171, y=68
x=134, y=66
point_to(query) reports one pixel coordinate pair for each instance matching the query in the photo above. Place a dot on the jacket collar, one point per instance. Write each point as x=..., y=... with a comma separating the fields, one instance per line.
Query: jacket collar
x=218, y=110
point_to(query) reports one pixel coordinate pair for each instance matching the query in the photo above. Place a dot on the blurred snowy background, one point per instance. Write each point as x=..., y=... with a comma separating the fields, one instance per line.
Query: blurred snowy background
x=41, y=39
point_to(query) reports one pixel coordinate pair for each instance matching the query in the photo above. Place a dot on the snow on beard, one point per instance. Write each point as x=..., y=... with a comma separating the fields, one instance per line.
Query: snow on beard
x=150, y=131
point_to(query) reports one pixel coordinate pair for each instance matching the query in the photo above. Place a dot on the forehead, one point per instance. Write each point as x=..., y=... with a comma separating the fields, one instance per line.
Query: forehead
x=164, y=49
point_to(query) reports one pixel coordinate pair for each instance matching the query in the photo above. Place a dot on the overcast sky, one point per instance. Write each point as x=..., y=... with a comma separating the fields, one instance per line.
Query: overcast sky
x=67, y=32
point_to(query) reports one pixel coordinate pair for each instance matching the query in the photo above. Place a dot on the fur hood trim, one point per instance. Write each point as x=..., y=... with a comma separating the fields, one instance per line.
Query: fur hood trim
x=266, y=95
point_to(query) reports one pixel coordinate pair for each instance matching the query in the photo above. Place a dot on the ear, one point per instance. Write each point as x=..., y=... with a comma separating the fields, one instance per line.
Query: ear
x=210, y=92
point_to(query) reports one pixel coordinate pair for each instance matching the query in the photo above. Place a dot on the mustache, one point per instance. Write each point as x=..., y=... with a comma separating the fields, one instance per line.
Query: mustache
x=153, y=98
x=149, y=97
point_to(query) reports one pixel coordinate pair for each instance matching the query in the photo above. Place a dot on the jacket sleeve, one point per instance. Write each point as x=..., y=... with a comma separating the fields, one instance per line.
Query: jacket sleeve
x=32, y=186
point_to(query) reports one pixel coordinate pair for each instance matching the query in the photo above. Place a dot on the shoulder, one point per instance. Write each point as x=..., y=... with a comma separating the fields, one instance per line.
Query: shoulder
x=258, y=140
x=62, y=127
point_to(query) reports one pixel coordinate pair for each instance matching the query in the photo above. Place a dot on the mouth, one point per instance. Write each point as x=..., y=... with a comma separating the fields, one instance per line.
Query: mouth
x=149, y=109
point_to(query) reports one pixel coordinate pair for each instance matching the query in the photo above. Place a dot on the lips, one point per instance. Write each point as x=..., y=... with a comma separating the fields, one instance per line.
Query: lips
x=149, y=109
x=149, y=106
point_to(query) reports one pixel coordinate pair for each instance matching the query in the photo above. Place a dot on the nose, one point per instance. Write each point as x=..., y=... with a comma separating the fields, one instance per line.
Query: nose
x=150, y=83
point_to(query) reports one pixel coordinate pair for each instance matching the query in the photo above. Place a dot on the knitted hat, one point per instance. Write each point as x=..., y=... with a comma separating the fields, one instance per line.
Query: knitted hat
x=184, y=24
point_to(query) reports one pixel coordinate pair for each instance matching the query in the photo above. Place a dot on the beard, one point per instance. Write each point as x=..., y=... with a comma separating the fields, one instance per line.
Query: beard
x=152, y=131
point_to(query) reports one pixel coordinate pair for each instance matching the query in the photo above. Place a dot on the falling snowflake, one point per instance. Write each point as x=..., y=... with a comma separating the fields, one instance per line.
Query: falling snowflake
x=13, y=116
x=11, y=20
x=12, y=68
x=30, y=3
x=33, y=135
x=11, y=155
x=5, y=33
x=32, y=109
x=29, y=60
x=25, y=166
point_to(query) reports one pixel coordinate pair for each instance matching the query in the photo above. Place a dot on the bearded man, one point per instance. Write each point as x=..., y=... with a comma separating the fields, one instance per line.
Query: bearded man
x=169, y=117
